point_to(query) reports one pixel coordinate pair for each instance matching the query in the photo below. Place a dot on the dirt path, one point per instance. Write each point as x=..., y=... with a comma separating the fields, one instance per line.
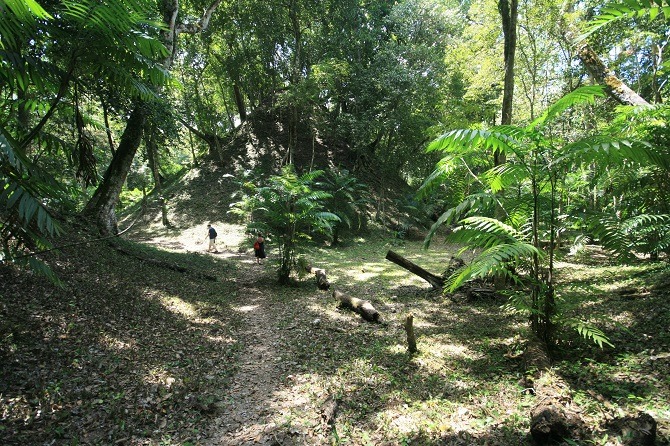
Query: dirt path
x=246, y=410
x=258, y=395
x=258, y=405
x=262, y=395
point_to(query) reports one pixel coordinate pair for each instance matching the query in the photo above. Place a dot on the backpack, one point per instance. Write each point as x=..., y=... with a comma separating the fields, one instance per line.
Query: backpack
x=257, y=245
x=212, y=233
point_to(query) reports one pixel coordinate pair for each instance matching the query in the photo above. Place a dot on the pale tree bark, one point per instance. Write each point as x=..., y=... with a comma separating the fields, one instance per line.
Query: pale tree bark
x=614, y=86
x=102, y=205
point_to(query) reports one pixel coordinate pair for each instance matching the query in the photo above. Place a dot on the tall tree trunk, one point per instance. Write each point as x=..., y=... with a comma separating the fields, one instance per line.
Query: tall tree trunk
x=239, y=101
x=614, y=86
x=152, y=157
x=508, y=13
x=103, y=203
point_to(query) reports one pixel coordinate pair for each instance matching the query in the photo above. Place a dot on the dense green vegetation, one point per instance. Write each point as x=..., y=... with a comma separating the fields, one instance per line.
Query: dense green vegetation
x=527, y=135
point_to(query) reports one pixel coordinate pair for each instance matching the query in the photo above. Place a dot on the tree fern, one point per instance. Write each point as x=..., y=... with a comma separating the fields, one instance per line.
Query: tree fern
x=528, y=179
x=287, y=210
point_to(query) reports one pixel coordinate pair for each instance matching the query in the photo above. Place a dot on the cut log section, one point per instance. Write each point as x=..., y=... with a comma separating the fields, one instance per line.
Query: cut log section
x=435, y=281
x=320, y=274
x=321, y=279
x=360, y=306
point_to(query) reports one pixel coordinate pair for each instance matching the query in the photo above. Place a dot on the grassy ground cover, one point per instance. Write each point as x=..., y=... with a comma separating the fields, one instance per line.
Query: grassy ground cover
x=128, y=352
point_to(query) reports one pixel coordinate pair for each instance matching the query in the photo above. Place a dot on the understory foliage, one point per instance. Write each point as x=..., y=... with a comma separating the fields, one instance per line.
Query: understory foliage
x=527, y=190
x=287, y=210
x=25, y=221
x=347, y=200
x=56, y=59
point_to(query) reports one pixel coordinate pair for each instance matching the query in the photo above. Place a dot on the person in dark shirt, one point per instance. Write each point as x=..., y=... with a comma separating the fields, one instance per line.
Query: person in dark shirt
x=211, y=234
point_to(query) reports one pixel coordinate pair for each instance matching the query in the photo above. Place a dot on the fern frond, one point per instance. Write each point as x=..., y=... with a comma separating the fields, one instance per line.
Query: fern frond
x=491, y=226
x=473, y=203
x=506, y=175
x=624, y=237
x=582, y=95
x=492, y=261
x=605, y=150
x=613, y=12
x=589, y=331
x=446, y=166
x=463, y=140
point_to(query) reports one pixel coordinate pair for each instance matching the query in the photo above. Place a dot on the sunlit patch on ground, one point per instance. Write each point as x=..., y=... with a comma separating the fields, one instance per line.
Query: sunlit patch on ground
x=116, y=344
x=177, y=305
x=246, y=308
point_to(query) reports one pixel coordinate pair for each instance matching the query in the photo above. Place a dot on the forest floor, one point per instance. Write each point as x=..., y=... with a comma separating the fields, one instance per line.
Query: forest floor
x=129, y=352
x=150, y=340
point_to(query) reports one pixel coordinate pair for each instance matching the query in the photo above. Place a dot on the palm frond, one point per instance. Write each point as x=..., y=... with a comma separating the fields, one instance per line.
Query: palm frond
x=581, y=95
x=613, y=12
x=472, y=203
x=607, y=151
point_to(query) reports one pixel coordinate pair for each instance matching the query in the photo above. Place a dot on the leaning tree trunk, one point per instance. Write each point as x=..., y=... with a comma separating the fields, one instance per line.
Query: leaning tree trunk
x=103, y=203
x=614, y=86
x=436, y=281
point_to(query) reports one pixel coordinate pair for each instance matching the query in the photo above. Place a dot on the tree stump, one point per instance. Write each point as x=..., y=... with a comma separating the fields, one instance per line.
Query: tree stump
x=362, y=307
x=409, y=329
x=552, y=419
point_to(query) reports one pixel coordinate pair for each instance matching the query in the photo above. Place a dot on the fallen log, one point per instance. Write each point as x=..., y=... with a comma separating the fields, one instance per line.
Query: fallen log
x=164, y=265
x=554, y=417
x=435, y=281
x=360, y=306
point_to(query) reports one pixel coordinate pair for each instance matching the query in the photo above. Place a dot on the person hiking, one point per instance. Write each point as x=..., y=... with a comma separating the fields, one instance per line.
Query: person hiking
x=259, y=248
x=211, y=234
